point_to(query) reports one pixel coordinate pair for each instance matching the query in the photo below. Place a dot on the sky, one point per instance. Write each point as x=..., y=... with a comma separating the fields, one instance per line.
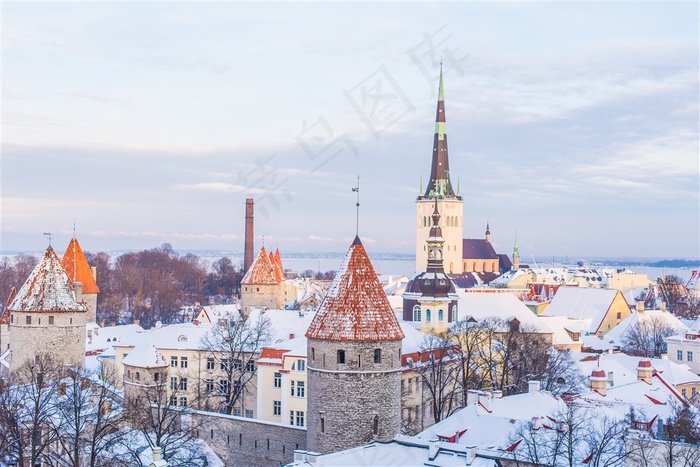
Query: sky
x=572, y=125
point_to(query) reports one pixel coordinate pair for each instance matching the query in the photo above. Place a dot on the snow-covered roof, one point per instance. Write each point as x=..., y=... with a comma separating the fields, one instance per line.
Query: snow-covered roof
x=145, y=356
x=262, y=271
x=356, y=307
x=648, y=318
x=401, y=451
x=582, y=303
x=48, y=288
x=102, y=338
x=504, y=306
x=563, y=328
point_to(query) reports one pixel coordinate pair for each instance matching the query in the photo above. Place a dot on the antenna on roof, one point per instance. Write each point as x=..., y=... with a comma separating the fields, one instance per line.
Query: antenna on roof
x=357, y=205
x=48, y=234
x=73, y=228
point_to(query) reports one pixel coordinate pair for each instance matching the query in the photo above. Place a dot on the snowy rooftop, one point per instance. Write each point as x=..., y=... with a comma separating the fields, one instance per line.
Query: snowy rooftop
x=145, y=356
x=504, y=306
x=356, y=307
x=648, y=319
x=262, y=271
x=582, y=303
x=48, y=288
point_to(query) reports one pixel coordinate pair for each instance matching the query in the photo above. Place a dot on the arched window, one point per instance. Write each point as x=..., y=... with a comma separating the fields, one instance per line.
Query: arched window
x=427, y=316
x=301, y=365
x=375, y=425
x=416, y=313
x=452, y=315
x=441, y=315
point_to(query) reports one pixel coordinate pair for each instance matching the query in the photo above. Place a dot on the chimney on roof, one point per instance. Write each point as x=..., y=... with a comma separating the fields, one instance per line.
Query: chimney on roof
x=533, y=386
x=249, y=244
x=485, y=400
x=472, y=396
x=598, y=381
x=663, y=306
x=644, y=371
x=640, y=307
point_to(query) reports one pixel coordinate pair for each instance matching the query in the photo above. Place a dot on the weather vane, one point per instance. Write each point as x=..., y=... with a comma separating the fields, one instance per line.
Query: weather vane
x=357, y=206
x=48, y=234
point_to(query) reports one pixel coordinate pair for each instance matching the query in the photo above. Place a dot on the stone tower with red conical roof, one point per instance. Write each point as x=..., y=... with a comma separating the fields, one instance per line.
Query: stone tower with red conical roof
x=263, y=285
x=353, y=361
x=79, y=271
x=48, y=316
x=450, y=203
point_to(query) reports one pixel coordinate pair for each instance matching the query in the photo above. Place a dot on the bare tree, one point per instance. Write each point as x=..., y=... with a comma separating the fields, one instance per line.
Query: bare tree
x=672, y=290
x=232, y=346
x=561, y=375
x=470, y=339
x=439, y=371
x=162, y=424
x=647, y=336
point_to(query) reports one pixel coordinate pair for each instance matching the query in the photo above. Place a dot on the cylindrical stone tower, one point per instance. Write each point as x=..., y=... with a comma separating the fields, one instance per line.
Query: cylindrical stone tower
x=354, y=361
x=47, y=317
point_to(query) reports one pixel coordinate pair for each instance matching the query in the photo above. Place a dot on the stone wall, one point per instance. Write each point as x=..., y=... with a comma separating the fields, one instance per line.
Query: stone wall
x=63, y=339
x=262, y=296
x=242, y=441
x=355, y=402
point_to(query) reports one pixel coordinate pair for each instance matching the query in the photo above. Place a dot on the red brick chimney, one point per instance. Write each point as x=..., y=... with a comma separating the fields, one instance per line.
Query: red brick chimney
x=249, y=235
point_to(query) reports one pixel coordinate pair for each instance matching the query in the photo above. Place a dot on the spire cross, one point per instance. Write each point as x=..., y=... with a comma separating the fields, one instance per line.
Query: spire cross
x=357, y=206
x=48, y=234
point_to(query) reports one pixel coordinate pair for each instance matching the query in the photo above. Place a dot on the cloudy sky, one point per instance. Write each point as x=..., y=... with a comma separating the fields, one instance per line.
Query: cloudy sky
x=573, y=124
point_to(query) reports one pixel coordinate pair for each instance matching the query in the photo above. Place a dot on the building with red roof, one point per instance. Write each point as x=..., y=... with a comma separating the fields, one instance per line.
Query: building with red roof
x=78, y=270
x=263, y=285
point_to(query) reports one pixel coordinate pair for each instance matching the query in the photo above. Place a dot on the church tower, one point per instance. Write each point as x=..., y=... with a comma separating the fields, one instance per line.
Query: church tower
x=449, y=203
x=353, y=361
x=516, y=254
x=431, y=298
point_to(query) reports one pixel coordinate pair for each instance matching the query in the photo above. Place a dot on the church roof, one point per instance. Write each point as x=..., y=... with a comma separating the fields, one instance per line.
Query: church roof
x=478, y=248
x=261, y=271
x=77, y=267
x=356, y=307
x=48, y=288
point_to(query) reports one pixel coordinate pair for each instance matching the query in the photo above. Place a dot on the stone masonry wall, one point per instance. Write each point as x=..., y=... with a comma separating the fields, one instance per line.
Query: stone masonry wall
x=64, y=339
x=249, y=442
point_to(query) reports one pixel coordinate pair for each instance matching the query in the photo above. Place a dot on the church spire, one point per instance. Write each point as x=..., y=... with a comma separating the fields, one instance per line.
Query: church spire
x=440, y=183
x=516, y=253
x=435, y=243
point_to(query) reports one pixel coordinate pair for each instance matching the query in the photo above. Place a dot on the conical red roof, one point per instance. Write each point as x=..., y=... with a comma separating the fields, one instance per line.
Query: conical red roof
x=356, y=307
x=77, y=267
x=276, y=261
x=261, y=272
x=48, y=288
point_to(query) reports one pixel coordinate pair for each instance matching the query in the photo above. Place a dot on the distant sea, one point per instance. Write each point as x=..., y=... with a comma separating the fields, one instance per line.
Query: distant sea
x=403, y=264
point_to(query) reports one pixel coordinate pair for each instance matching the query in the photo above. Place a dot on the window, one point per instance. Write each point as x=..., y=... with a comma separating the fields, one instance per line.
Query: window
x=278, y=380
x=416, y=313
x=173, y=362
x=291, y=417
x=209, y=385
x=237, y=412
x=183, y=402
x=292, y=389
x=173, y=383
x=341, y=356
x=28, y=319
x=300, y=389
x=427, y=315
x=377, y=355
x=323, y=425
x=690, y=356
x=619, y=315
x=679, y=355
x=224, y=386
x=250, y=366
x=183, y=384
x=183, y=362
x=50, y=319
x=301, y=365
x=683, y=392
x=313, y=354
x=138, y=376
x=300, y=418
x=693, y=390
x=248, y=413
x=224, y=364
x=441, y=315
x=173, y=400
x=238, y=365
x=375, y=425
x=156, y=376
x=276, y=408
x=210, y=363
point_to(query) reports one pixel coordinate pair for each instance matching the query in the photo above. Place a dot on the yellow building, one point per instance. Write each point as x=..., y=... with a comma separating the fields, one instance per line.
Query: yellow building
x=602, y=309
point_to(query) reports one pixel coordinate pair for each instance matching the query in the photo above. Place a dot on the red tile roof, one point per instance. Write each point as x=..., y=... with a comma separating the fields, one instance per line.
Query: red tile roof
x=356, y=307
x=276, y=261
x=261, y=271
x=77, y=267
x=48, y=288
